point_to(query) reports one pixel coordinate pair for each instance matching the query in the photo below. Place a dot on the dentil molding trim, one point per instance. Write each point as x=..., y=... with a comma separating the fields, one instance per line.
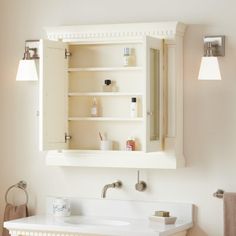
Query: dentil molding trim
x=168, y=30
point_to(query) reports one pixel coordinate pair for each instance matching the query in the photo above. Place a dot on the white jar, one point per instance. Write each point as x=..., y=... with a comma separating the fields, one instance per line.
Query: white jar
x=61, y=207
x=106, y=145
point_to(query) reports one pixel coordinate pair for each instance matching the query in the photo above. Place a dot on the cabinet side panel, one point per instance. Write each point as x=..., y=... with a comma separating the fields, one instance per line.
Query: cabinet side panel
x=179, y=102
x=171, y=91
x=53, y=95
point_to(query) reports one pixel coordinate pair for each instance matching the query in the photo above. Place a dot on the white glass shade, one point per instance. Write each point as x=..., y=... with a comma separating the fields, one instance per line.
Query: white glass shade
x=209, y=69
x=27, y=71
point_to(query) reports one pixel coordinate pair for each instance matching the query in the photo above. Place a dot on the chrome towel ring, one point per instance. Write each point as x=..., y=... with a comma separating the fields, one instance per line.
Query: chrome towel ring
x=21, y=185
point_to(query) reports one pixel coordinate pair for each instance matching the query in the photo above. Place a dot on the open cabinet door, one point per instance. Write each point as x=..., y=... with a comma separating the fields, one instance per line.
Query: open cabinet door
x=53, y=95
x=153, y=112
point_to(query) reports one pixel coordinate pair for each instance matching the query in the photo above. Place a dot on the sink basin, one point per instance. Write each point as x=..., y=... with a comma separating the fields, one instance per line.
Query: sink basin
x=101, y=222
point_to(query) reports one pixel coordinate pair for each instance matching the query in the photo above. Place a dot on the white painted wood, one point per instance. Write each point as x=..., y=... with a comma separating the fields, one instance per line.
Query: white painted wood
x=117, y=159
x=134, y=68
x=53, y=95
x=105, y=94
x=179, y=105
x=46, y=233
x=105, y=119
x=82, y=72
x=171, y=90
x=114, y=32
x=157, y=44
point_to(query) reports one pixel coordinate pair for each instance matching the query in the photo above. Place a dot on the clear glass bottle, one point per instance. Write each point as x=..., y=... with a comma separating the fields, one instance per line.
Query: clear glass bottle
x=94, y=108
x=133, y=107
x=127, y=57
x=107, y=87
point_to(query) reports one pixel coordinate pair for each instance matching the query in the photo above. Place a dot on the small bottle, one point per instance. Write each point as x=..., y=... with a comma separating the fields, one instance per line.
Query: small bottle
x=133, y=108
x=130, y=144
x=107, y=87
x=114, y=86
x=94, y=108
x=127, y=57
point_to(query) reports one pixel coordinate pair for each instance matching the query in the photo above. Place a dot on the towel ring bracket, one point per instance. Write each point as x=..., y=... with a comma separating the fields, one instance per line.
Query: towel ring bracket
x=21, y=185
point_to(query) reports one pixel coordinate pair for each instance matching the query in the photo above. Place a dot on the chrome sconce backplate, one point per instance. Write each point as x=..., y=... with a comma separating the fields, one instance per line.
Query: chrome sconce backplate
x=217, y=43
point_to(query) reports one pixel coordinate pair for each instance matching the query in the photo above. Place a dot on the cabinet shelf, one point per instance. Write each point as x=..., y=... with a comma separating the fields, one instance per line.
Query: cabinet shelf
x=104, y=94
x=117, y=159
x=95, y=69
x=105, y=119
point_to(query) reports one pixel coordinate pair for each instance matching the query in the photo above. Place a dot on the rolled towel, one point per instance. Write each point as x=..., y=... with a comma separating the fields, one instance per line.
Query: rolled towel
x=14, y=212
x=229, y=214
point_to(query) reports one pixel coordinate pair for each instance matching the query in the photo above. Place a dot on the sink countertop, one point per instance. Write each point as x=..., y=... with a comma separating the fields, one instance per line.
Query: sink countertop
x=135, y=227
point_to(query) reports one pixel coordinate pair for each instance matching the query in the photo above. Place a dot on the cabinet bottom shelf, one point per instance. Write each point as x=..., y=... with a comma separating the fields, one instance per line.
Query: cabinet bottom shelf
x=113, y=159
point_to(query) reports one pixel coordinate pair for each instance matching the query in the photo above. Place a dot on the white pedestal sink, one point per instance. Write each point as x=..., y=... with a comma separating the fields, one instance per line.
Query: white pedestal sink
x=106, y=218
x=77, y=220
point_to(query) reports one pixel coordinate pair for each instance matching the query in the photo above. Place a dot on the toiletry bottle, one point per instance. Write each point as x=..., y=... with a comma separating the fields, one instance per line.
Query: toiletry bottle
x=114, y=86
x=133, y=108
x=127, y=57
x=94, y=108
x=130, y=144
x=107, y=87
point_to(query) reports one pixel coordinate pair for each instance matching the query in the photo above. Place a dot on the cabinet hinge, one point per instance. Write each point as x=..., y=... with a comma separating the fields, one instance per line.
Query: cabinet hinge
x=67, y=54
x=67, y=137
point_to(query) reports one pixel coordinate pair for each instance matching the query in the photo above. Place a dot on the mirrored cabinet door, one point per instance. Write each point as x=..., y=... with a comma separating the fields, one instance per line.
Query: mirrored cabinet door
x=154, y=94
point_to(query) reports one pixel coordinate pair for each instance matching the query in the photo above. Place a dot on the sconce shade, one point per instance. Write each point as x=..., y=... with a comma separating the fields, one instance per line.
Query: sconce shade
x=209, y=69
x=27, y=71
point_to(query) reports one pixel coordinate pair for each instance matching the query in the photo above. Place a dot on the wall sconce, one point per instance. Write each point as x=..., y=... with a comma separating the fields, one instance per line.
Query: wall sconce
x=214, y=46
x=27, y=69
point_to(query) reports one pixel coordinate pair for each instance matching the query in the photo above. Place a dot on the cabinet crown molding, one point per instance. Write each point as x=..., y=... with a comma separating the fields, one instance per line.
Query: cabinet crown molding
x=168, y=30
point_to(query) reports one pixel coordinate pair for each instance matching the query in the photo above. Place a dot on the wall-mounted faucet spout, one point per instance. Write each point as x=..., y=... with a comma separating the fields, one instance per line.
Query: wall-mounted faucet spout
x=116, y=184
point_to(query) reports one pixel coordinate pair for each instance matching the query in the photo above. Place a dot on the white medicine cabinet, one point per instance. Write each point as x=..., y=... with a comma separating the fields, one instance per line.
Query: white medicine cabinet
x=76, y=61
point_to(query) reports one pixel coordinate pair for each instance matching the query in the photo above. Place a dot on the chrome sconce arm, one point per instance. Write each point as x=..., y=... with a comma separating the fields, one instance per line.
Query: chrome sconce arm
x=27, y=55
x=214, y=46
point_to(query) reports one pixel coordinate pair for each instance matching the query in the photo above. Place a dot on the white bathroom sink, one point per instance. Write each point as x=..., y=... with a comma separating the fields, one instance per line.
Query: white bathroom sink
x=91, y=221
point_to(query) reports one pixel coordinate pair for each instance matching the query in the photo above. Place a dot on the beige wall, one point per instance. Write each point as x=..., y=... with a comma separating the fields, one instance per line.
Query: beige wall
x=209, y=107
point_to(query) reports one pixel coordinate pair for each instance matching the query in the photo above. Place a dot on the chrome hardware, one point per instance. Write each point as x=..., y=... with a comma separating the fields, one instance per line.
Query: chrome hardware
x=21, y=185
x=67, y=137
x=67, y=54
x=140, y=185
x=27, y=55
x=214, y=45
x=117, y=184
x=219, y=193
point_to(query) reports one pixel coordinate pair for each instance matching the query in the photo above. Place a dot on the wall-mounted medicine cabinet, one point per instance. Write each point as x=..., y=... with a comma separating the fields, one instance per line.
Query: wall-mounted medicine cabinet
x=76, y=61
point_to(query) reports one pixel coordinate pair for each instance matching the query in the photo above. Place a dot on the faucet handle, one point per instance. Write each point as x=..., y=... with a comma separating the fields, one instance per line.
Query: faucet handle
x=117, y=184
x=140, y=185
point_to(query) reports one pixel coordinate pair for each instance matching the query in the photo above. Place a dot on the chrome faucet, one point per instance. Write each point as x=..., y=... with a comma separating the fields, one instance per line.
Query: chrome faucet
x=117, y=184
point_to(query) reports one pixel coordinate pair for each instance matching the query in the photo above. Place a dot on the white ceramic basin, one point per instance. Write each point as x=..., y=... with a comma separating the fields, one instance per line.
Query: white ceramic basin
x=101, y=222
